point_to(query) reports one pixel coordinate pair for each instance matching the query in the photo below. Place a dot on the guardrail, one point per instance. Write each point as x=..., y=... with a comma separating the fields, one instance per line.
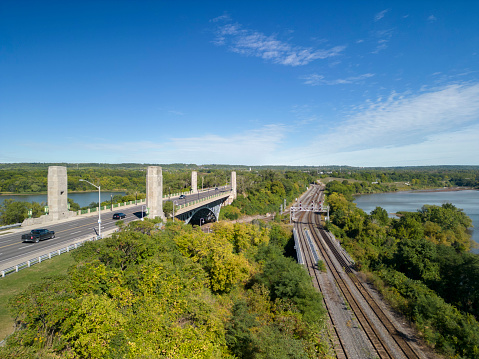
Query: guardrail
x=312, y=246
x=44, y=257
x=297, y=246
x=11, y=226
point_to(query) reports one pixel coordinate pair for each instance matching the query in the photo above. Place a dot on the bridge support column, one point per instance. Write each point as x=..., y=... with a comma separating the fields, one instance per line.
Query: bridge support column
x=233, y=184
x=154, y=192
x=233, y=194
x=194, y=182
x=57, y=192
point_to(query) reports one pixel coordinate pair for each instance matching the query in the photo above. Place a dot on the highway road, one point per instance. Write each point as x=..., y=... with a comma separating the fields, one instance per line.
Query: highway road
x=12, y=249
x=66, y=233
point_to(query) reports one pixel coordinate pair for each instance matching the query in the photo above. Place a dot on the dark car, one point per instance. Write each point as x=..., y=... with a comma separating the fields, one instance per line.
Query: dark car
x=37, y=235
x=182, y=196
x=119, y=215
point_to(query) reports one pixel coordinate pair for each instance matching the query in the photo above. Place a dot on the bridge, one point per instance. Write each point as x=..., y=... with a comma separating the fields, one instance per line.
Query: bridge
x=203, y=210
x=195, y=206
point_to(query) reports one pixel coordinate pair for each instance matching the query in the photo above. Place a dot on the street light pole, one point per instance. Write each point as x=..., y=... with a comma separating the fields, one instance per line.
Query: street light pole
x=99, y=205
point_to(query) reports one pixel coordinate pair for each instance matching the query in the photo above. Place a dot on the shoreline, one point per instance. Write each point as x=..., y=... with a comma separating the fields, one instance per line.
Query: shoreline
x=442, y=189
x=446, y=189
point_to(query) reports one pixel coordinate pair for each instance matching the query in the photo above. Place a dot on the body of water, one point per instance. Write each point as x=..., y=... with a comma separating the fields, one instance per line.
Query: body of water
x=83, y=198
x=411, y=201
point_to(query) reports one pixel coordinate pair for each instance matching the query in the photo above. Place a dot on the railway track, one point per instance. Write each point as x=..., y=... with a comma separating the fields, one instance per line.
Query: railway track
x=384, y=340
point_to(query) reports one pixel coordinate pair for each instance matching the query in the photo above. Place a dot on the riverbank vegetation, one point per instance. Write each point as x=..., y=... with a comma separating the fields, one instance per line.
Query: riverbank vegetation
x=176, y=292
x=422, y=263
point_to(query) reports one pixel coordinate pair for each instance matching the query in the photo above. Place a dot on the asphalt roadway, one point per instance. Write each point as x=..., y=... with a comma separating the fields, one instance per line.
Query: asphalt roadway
x=13, y=251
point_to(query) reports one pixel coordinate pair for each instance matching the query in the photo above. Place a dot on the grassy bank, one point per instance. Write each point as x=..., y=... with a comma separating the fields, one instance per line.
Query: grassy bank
x=17, y=282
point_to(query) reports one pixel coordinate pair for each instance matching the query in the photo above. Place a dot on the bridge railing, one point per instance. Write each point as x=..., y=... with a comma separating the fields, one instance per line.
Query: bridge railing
x=205, y=199
x=115, y=205
x=177, y=194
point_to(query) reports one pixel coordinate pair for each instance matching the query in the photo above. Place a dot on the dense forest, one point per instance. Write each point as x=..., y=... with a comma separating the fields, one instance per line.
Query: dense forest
x=422, y=263
x=175, y=293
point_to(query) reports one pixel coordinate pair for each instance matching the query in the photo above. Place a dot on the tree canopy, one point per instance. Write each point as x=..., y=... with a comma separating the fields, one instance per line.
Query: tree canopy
x=177, y=292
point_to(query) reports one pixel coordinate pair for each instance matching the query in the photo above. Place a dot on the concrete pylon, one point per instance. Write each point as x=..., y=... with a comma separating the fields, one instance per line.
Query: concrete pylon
x=57, y=192
x=233, y=184
x=154, y=192
x=194, y=182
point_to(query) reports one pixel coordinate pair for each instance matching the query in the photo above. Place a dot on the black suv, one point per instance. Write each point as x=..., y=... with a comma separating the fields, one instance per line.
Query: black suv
x=119, y=215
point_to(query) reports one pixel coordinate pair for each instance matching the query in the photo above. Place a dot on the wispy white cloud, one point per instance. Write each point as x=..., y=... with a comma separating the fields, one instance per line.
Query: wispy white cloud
x=400, y=120
x=449, y=148
x=437, y=127
x=383, y=38
x=256, y=146
x=380, y=15
x=431, y=18
x=129, y=146
x=177, y=113
x=268, y=47
x=316, y=79
x=304, y=115
x=252, y=146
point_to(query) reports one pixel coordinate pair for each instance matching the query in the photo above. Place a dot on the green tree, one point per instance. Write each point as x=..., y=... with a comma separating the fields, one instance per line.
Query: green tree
x=168, y=208
x=12, y=212
x=380, y=215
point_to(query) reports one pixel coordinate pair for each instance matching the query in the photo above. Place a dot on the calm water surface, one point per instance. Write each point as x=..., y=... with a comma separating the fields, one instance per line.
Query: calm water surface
x=83, y=199
x=413, y=200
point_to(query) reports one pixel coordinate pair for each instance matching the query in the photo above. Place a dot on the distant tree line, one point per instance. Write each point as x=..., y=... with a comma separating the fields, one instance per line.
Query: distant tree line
x=421, y=177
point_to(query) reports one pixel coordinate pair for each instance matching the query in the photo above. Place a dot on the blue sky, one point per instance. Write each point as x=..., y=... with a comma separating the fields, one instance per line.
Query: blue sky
x=360, y=83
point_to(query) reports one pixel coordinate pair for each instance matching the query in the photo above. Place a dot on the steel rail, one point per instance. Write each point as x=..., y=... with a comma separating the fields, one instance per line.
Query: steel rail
x=374, y=334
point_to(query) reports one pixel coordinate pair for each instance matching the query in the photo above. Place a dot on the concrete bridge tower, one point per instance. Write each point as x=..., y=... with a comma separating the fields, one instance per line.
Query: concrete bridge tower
x=57, y=192
x=194, y=182
x=233, y=194
x=233, y=184
x=154, y=192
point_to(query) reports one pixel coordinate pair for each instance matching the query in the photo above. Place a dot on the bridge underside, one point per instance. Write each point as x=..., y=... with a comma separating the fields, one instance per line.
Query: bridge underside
x=207, y=213
x=202, y=216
